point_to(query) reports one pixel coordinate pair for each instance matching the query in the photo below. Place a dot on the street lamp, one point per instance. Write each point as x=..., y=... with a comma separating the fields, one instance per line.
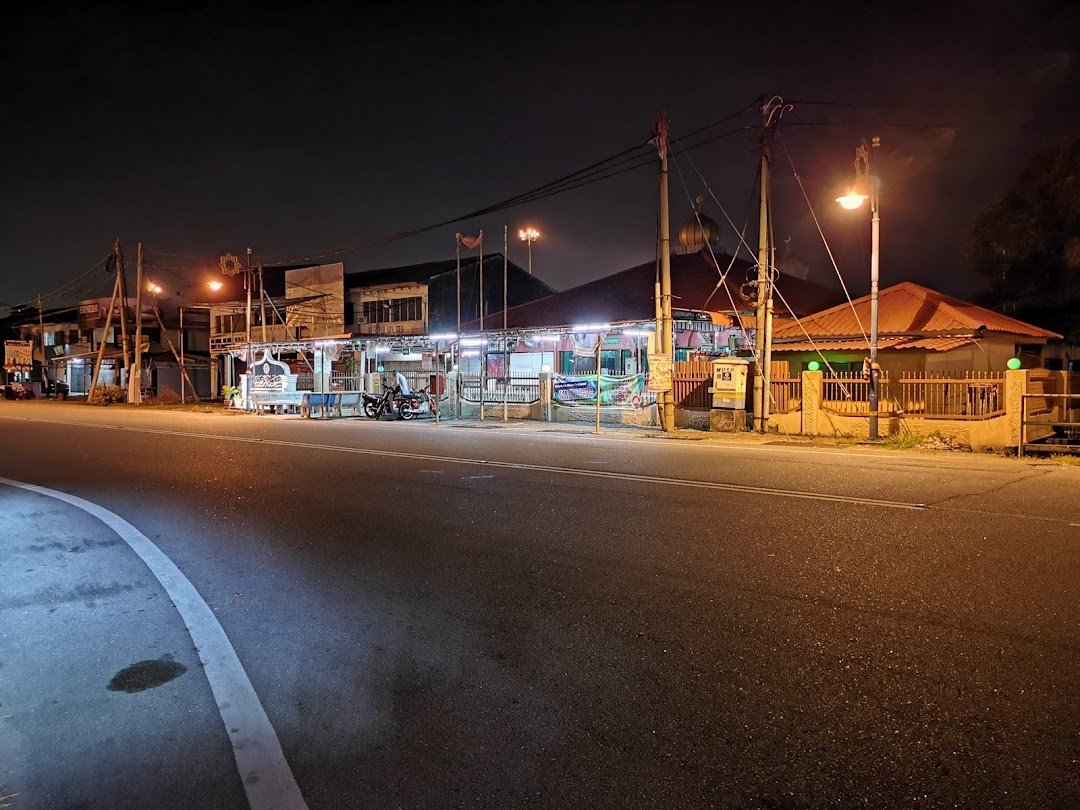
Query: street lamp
x=868, y=187
x=214, y=285
x=529, y=235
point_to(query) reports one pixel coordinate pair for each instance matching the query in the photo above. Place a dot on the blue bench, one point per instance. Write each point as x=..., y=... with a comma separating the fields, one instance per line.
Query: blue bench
x=331, y=403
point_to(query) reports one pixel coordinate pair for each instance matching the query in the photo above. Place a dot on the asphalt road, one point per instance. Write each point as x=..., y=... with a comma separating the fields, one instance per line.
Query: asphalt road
x=467, y=616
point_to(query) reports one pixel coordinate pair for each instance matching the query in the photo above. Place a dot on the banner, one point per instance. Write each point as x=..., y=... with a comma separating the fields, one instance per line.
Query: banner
x=623, y=391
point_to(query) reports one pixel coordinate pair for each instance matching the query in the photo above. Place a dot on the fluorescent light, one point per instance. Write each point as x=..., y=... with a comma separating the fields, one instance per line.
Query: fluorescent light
x=470, y=354
x=473, y=342
x=551, y=338
x=590, y=327
x=382, y=349
x=448, y=336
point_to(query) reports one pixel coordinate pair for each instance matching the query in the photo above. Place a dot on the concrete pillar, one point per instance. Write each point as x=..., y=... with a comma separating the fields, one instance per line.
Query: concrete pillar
x=811, y=402
x=546, y=388
x=1016, y=385
x=453, y=393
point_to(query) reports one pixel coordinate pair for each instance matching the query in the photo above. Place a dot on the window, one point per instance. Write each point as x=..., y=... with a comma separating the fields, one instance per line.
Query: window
x=50, y=338
x=394, y=309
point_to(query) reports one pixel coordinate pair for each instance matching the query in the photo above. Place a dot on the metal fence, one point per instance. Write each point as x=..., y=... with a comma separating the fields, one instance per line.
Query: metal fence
x=520, y=388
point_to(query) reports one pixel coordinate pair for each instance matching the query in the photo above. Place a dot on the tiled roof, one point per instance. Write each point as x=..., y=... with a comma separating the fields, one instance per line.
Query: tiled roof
x=933, y=344
x=909, y=309
x=628, y=296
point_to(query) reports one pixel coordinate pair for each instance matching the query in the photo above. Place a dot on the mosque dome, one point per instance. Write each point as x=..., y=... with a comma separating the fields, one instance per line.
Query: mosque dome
x=699, y=230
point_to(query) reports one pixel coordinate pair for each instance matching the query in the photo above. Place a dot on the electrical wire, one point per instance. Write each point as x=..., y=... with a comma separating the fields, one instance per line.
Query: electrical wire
x=824, y=241
x=637, y=156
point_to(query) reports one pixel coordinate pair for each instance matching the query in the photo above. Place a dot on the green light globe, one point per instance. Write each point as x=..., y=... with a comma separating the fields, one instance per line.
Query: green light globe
x=381, y=368
x=813, y=365
x=1014, y=363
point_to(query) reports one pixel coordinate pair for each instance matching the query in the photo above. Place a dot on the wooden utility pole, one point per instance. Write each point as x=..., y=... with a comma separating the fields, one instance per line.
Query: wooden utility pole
x=104, y=339
x=41, y=339
x=122, y=279
x=665, y=335
x=172, y=348
x=135, y=377
x=771, y=109
x=506, y=339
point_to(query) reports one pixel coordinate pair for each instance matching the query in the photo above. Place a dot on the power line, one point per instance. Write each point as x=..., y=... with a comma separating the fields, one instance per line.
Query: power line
x=992, y=108
x=594, y=172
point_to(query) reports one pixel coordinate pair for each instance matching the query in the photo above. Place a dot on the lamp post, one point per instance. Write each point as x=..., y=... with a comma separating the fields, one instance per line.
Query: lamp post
x=868, y=187
x=529, y=235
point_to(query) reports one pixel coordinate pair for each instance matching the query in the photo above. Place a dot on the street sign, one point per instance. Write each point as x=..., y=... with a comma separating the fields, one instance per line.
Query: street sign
x=659, y=373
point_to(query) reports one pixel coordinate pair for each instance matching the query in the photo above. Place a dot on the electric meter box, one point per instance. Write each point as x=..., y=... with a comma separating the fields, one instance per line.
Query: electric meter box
x=729, y=383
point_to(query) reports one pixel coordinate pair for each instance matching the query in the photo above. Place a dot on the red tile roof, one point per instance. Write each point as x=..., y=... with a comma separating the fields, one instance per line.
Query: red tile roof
x=934, y=344
x=908, y=309
x=628, y=296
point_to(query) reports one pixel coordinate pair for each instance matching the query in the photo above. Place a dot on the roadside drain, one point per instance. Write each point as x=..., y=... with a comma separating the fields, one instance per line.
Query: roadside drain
x=146, y=675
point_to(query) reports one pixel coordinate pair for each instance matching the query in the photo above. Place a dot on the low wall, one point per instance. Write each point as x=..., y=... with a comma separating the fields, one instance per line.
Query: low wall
x=494, y=410
x=979, y=434
x=608, y=415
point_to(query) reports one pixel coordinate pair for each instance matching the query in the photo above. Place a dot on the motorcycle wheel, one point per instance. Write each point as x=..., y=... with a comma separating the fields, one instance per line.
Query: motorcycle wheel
x=406, y=411
x=371, y=411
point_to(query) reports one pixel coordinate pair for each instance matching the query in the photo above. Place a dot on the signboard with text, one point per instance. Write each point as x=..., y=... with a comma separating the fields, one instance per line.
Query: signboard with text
x=18, y=353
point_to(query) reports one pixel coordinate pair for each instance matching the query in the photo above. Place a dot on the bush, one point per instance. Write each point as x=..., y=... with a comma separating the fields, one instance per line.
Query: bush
x=166, y=396
x=96, y=398
x=114, y=393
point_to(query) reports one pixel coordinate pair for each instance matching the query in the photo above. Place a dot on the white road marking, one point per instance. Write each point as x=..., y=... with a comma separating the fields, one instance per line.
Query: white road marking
x=512, y=465
x=266, y=776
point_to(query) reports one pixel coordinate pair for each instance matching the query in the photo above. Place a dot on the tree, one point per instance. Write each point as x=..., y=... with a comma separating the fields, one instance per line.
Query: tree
x=1026, y=243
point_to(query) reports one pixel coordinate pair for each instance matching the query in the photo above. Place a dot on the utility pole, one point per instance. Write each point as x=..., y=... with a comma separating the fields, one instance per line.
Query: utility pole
x=875, y=264
x=41, y=340
x=247, y=310
x=122, y=276
x=506, y=339
x=104, y=340
x=665, y=399
x=135, y=377
x=262, y=304
x=772, y=109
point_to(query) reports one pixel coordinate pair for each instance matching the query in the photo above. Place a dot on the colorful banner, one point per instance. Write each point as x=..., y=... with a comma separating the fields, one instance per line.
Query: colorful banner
x=624, y=392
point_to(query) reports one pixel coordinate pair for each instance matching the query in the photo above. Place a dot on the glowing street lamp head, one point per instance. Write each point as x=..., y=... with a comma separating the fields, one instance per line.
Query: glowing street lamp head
x=852, y=200
x=153, y=288
x=529, y=234
x=215, y=285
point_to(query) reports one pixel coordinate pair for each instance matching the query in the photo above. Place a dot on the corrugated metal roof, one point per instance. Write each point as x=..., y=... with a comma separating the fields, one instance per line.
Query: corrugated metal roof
x=909, y=309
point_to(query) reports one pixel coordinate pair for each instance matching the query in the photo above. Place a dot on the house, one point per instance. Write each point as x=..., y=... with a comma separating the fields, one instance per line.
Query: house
x=919, y=330
x=422, y=299
x=712, y=309
x=72, y=338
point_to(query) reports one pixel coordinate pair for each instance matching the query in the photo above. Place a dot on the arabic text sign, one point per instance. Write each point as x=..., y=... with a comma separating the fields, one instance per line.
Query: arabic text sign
x=659, y=373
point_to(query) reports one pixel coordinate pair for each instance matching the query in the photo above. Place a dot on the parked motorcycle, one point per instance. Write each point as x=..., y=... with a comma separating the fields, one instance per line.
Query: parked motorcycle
x=375, y=406
x=407, y=406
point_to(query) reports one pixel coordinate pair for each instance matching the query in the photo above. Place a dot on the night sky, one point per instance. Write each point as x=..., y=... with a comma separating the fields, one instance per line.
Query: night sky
x=301, y=127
